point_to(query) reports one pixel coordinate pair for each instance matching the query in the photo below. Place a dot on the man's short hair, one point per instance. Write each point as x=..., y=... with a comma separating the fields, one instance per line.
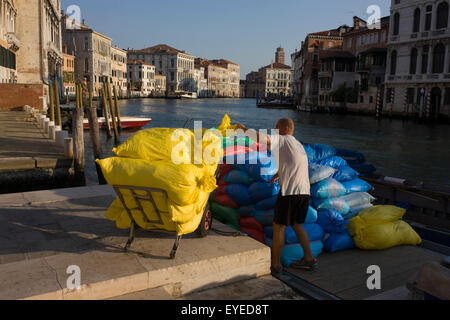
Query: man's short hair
x=289, y=123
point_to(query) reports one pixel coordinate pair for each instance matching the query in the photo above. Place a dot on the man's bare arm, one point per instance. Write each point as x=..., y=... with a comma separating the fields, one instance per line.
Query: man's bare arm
x=261, y=137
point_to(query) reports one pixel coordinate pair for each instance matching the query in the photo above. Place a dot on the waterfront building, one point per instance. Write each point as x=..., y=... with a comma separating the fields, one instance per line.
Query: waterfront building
x=141, y=78
x=418, y=59
x=336, y=77
x=68, y=73
x=9, y=42
x=306, y=63
x=119, y=70
x=254, y=85
x=92, y=52
x=223, y=77
x=160, y=86
x=369, y=46
x=39, y=60
x=201, y=82
x=176, y=65
x=276, y=78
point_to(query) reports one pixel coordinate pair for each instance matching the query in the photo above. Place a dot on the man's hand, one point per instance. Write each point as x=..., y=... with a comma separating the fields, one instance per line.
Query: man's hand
x=241, y=127
x=275, y=179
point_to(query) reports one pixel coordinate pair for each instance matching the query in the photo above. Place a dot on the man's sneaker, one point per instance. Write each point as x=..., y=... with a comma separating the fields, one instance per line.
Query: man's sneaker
x=305, y=265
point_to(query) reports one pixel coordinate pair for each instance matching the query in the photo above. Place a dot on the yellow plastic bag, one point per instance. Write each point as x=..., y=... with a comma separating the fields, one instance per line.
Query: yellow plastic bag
x=183, y=183
x=380, y=227
x=387, y=235
x=159, y=144
x=181, y=219
x=226, y=125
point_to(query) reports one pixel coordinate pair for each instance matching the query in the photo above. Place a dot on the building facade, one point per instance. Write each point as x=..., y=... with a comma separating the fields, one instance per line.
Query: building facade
x=306, y=63
x=92, y=52
x=176, y=65
x=160, y=86
x=222, y=76
x=201, y=82
x=141, y=78
x=39, y=60
x=119, y=70
x=418, y=60
x=9, y=42
x=277, y=80
x=68, y=73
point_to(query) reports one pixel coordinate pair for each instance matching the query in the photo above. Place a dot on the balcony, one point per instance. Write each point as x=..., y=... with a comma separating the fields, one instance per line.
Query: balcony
x=13, y=41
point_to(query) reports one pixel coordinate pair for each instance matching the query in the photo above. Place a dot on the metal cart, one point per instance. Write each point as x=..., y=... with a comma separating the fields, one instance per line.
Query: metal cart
x=202, y=231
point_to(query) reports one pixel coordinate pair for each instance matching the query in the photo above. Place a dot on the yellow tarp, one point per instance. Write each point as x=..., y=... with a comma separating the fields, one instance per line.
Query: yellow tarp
x=380, y=227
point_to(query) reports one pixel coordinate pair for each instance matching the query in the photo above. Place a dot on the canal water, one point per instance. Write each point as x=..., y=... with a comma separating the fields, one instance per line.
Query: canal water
x=397, y=148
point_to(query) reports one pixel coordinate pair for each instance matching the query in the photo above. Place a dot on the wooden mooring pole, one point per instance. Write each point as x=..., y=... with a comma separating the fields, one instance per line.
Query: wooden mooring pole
x=106, y=113
x=116, y=104
x=113, y=115
x=77, y=133
x=58, y=121
x=52, y=102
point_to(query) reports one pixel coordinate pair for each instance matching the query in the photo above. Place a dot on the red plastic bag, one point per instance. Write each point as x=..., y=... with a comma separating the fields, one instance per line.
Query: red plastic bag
x=253, y=228
x=225, y=200
x=224, y=170
x=234, y=150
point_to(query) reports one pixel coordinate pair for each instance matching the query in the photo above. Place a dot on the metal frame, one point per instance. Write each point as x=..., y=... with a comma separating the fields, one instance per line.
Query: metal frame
x=148, y=197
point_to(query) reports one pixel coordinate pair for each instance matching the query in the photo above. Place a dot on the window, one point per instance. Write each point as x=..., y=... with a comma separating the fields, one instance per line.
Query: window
x=442, y=16
x=349, y=43
x=428, y=17
x=371, y=99
x=396, y=24
x=413, y=62
x=438, y=58
x=425, y=59
x=86, y=65
x=393, y=62
x=447, y=96
x=361, y=99
x=416, y=26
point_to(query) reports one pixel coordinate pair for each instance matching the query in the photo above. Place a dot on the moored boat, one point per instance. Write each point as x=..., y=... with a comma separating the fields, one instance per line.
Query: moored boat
x=125, y=122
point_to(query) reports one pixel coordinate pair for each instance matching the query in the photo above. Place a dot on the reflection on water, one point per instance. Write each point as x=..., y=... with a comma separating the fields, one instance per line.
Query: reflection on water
x=396, y=148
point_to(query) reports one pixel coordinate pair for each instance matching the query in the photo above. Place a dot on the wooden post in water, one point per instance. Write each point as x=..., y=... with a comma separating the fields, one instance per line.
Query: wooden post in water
x=52, y=102
x=58, y=106
x=113, y=116
x=116, y=104
x=78, y=134
x=106, y=113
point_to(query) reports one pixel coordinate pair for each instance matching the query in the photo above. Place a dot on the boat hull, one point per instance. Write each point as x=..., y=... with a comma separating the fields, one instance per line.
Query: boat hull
x=126, y=123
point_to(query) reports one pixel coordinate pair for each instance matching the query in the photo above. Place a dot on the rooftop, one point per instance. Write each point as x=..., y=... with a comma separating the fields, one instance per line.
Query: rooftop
x=277, y=65
x=160, y=48
x=139, y=62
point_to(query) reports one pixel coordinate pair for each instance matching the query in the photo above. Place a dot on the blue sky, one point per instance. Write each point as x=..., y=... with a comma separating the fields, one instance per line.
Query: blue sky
x=244, y=31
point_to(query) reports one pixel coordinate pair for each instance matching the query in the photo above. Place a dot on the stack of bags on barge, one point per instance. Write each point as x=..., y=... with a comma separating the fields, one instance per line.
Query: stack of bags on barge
x=341, y=215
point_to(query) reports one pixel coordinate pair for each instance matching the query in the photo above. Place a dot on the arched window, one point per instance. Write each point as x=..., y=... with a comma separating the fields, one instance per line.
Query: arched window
x=413, y=62
x=438, y=58
x=442, y=16
x=416, y=26
x=396, y=24
x=393, y=62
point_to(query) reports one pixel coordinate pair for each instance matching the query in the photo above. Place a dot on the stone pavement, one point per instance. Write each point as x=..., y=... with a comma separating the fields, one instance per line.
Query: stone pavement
x=43, y=233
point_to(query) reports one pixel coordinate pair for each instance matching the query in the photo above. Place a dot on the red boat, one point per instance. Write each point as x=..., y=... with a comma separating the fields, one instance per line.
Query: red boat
x=125, y=122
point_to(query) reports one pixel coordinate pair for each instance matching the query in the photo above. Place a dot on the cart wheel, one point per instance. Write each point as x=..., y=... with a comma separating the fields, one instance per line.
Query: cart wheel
x=206, y=223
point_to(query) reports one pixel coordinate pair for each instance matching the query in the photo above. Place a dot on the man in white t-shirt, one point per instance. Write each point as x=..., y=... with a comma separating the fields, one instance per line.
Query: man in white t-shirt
x=293, y=201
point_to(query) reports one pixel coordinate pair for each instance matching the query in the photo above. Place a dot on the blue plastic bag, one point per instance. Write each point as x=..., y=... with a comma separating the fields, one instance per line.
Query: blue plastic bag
x=267, y=204
x=339, y=242
x=336, y=204
x=357, y=185
x=247, y=211
x=357, y=199
x=262, y=173
x=333, y=162
x=328, y=188
x=331, y=221
x=318, y=152
x=318, y=173
x=238, y=177
x=260, y=191
x=240, y=194
x=311, y=217
x=314, y=231
x=345, y=174
x=265, y=218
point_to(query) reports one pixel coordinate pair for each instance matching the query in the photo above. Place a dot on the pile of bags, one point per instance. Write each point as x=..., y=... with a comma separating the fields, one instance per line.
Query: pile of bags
x=165, y=159
x=339, y=216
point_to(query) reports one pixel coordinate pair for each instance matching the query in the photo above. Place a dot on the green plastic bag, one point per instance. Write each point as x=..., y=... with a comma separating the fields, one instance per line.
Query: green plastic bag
x=225, y=214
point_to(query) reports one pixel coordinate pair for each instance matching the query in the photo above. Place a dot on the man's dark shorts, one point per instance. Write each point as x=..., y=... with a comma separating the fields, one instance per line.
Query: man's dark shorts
x=291, y=210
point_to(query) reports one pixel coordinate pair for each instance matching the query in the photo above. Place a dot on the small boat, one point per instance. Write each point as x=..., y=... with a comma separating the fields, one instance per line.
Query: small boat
x=189, y=95
x=125, y=122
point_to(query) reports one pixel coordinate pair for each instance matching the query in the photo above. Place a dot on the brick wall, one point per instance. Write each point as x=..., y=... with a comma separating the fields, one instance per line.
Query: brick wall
x=19, y=95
